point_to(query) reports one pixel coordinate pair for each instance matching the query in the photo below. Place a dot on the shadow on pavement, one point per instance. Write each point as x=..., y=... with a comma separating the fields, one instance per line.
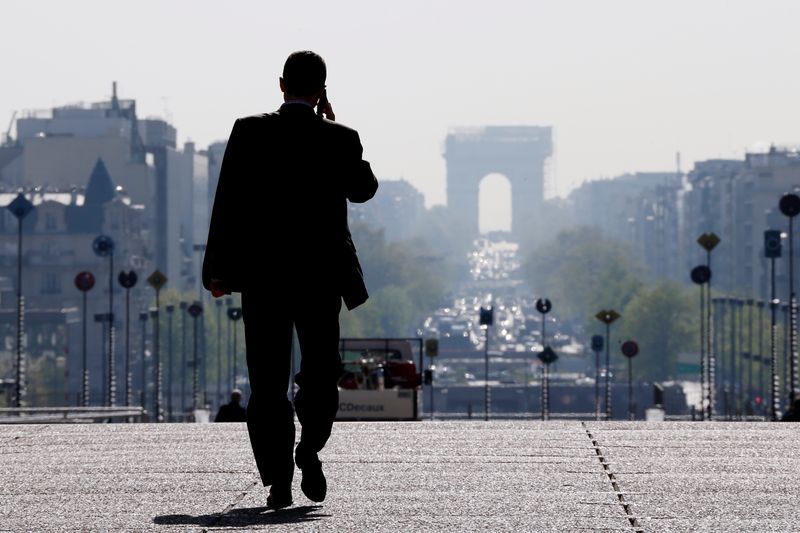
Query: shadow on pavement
x=251, y=516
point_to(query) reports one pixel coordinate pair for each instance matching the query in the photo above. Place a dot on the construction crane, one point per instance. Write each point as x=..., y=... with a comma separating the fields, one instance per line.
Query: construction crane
x=8, y=140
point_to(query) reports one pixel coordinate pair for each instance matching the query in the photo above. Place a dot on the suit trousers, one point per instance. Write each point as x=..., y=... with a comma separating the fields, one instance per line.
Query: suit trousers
x=269, y=318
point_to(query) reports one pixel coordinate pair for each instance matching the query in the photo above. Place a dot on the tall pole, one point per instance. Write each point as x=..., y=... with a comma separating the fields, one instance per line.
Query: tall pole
x=740, y=358
x=112, y=361
x=229, y=304
x=158, y=369
x=703, y=392
x=21, y=389
x=701, y=275
x=143, y=320
x=545, y=393
x=128, y=376
x=195, y=369
x=219, y=353
x=608, y=371
x=486, y=398
x=486, y=319
x=761, y=387
x=750, y=395
x=732, y=302
x=183, y=306
x=128, y=281
x=84, y=281
x=20, y=207
x=631, y=414
x=790, y=206
x=235, y=356
x=785, y=373
x=195, y=310
x=154, y=363
x=773, y=304
x=793, y=320
x=597, y=384
x=84, y=361
x=607, y=317
x=170, y=360
x=709, y=241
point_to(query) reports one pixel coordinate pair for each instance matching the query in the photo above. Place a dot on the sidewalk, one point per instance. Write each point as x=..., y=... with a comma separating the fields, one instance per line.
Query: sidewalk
x=423, y=476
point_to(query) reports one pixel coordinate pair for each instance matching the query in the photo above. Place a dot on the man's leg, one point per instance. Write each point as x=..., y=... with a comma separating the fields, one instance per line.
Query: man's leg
x=317, y=399
x=270, y=419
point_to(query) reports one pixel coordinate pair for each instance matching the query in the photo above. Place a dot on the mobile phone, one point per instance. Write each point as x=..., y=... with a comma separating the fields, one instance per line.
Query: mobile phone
x=322, y=104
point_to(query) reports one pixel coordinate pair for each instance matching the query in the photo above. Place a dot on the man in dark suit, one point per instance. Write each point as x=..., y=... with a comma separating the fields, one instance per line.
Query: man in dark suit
x=279, y=235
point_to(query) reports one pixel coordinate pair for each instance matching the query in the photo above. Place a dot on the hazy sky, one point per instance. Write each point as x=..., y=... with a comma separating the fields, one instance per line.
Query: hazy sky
x=625, y=84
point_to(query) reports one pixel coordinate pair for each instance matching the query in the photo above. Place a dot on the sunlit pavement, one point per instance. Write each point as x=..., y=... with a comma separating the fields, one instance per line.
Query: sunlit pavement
x=423, y=476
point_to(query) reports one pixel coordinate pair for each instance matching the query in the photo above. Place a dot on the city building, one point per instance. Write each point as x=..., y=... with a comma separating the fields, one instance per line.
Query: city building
x=57, y=148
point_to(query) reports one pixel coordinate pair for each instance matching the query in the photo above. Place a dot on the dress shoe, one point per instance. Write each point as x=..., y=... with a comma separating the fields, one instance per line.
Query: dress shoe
x=313, y=485
x=279, y=498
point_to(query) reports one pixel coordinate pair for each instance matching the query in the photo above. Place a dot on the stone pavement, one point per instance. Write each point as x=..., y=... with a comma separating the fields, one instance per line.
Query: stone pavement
x=423, y=476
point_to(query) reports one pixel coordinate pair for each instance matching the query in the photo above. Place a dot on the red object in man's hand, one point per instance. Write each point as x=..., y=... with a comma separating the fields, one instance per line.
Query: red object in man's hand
x=217, y=288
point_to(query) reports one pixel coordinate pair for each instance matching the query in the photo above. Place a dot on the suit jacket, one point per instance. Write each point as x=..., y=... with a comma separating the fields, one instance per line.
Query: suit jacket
x=282, y=198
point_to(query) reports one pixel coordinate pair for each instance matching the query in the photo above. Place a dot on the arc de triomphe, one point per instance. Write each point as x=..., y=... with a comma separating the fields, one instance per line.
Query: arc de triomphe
x=517, y=152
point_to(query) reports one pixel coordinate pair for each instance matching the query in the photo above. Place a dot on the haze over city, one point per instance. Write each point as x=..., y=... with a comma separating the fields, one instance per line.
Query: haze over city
x=625, y=84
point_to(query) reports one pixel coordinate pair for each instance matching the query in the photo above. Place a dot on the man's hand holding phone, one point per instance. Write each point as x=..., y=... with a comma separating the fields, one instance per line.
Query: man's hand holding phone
x=324, y=107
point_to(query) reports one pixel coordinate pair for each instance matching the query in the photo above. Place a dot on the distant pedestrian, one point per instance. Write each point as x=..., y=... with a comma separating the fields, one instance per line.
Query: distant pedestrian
x=233, y=411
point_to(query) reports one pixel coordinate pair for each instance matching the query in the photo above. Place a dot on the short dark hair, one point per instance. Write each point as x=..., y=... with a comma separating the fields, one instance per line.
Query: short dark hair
x=304, y=73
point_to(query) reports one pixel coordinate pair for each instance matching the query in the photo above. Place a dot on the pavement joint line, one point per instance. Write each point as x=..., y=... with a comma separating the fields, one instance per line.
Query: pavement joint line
x=626, y=506
x=235, y=502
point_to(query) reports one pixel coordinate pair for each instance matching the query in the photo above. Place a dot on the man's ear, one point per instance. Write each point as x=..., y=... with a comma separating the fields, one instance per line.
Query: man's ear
x=282, y=84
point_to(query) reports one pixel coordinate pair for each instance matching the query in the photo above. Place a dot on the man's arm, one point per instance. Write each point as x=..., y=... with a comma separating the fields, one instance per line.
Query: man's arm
x=224, y=225
x=361, y=181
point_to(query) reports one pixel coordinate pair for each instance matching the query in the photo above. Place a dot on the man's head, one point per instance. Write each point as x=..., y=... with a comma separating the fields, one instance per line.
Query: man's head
x=236, y=395
x=304, y=76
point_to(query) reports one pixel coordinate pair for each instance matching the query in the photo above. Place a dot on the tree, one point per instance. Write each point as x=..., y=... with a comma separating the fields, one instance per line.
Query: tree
x=663, y=320
x=583, y=272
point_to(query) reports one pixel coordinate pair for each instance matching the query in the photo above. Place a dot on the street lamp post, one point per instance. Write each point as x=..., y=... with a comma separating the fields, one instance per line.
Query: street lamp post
x=546, y=356
x=143, y=321
x=790, y=206
x=772, y=250
x=103, y=246
x=195, y=310
x=157, y=280
x=486, y=319
x=629, y=350
x=234, y=314
x=20, y=207
x=183, y=306
x=608, y=317
x=128, y=281
x=761, y=304
x=701, y=275
x=84, y=282
x=597, y=347
x=219, y=352
x=709, y=241
x=170, y=359
x=156, y=400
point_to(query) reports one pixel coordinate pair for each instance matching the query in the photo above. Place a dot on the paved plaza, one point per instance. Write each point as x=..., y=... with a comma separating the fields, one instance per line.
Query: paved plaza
x=415, y=476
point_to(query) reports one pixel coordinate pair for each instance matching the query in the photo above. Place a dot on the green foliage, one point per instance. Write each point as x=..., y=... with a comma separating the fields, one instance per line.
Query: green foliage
x=404, y=280
x=584, y=272
x=664, y=321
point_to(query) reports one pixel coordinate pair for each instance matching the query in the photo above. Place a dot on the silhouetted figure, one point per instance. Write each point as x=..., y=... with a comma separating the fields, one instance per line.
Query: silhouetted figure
x=232, y=411
x=793, y=413
x=282, y=195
